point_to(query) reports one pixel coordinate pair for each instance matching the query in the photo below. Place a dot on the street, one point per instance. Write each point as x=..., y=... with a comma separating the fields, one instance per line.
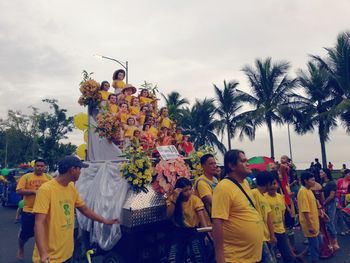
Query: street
x=9, y=231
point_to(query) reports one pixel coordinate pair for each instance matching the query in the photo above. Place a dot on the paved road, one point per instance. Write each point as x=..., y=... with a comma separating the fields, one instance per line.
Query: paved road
x=9, y=230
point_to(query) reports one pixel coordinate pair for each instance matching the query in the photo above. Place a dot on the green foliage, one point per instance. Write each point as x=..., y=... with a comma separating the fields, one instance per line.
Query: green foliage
x=153, y=89
x=175, y=104
x=36, y=135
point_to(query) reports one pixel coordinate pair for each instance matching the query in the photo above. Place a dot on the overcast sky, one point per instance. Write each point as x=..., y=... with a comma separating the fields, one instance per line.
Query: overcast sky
x=180, y=45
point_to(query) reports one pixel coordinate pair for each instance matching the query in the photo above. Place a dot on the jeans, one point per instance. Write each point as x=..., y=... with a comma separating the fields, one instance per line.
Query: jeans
x=284, y=249
x=331, y=212
x=314, y=247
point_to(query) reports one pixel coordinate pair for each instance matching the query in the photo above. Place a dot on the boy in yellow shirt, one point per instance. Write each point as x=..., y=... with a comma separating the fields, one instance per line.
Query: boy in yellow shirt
x=308, y=214
x=278, y=208
x=263, y=181
x=187, y=212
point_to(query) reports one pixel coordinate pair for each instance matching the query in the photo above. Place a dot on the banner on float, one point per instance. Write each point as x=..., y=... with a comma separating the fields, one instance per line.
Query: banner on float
x=168, y=152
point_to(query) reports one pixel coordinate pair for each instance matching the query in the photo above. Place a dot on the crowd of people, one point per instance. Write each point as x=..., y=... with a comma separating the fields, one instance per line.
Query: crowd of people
x=251, y=220
x=255, y=222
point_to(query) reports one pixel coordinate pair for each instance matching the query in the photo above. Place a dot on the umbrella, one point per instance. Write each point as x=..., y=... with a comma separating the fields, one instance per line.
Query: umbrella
x=259, y=163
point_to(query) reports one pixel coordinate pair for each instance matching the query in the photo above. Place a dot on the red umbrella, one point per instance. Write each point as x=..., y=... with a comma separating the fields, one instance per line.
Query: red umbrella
x=260, y=163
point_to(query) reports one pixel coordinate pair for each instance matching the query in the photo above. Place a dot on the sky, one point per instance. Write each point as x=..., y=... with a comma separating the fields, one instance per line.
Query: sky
x=184, y=46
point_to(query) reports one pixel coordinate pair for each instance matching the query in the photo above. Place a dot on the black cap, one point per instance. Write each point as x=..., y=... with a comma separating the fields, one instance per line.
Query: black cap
x=68, y=162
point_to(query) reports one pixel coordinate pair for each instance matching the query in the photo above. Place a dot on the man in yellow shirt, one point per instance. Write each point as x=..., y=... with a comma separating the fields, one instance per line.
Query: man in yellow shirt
x=308, y=214
x=237, y=226
x=206, y=183
x=54, y=214
x=263, y=181
x=28, y=186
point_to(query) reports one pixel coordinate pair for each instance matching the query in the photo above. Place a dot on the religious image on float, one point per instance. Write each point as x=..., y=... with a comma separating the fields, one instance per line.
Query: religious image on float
x=127, y=117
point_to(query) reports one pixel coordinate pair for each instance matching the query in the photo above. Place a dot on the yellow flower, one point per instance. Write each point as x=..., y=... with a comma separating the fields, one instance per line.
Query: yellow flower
x=135, y=182
x=200, y=154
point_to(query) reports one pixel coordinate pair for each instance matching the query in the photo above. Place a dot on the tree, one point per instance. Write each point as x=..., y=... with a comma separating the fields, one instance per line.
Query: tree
x=229, y=105
x=175, y=104
x=314, y=108
x=270, y=87
x=200, y=124
x=54, y=127
x=337, y=65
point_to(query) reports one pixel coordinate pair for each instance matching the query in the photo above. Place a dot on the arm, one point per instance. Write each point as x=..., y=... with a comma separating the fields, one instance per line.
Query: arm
x=172, y=199
x=201, y=217
x=93, y=216
x=218, y=240
x=39, y=229
x=329, y=198
x=26, y=192
x=273, y=239
x=207, y=200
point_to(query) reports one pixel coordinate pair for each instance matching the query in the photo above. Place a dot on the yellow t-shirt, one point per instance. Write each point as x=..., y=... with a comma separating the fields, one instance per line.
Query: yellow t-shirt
x=104, y=94
x=190, y=209
x=203, y=186
x=307, y=203
x=113, y=108
x=118, y=84
x=242, y=224
x=124, y=117
x=278, y=207
x=264, y=209
x=134, y=110
x=30, y=181
x=129, y=131
x=178, y=137
x=58, y=203
x=154, y=131
x=145, y=100
x=166, y=122
x=142, y=119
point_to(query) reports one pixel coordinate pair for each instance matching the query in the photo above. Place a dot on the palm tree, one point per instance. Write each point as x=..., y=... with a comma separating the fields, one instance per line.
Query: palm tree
x=337, y=65
x=270, y=87
x=314, y=108
x=200, y=124
x=228, y=107
x=175, y=104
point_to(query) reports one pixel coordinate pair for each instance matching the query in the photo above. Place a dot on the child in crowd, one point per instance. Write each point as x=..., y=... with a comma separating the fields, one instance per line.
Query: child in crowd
x=129, y=129
x=263, y=181
x=308, y=214
x=278, y=208
x=118, y=83
x=136, y=139
x=147, y=139
x=141, y=117
x=164, y=138
x=164, y=120
x=112, y=104
x=145, y=97
x=187, y=212
x=135, y=107
x=126, y=94
x=186, y=147
x=123, y=113
x=178, y=136
x=104, y=90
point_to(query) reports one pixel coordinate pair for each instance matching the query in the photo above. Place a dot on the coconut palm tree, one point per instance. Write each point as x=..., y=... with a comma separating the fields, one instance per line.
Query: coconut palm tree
x=175, y=104
x=314, y=108
x=337, y=64
x=228, y=107
x=269, y=89
x=199, y=122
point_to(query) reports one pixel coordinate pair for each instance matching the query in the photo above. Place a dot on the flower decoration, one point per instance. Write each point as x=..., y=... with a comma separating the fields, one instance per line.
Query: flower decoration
x=90, y=95
x=138, y=170
x=196, y=167
x=108, y=126
x=167, y=174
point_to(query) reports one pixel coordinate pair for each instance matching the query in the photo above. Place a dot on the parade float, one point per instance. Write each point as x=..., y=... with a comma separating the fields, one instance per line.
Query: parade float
x=132, y=147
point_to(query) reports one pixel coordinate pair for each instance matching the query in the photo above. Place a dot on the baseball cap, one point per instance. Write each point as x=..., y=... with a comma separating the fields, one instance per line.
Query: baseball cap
x=70, y=161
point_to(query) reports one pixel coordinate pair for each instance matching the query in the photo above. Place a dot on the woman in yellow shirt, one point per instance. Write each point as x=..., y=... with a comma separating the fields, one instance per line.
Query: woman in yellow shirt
x=187, y=212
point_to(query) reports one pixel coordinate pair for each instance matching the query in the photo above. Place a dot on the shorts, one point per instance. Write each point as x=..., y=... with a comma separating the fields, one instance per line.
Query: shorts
x=27, y=226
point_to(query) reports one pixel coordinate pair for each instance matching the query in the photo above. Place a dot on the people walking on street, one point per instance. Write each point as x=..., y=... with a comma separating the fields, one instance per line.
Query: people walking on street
x=237, y=225
x=54, y=211
x=308, y=215
x=28, y=186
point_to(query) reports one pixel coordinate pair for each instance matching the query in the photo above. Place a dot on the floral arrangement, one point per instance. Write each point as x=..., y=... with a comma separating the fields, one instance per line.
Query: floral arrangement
x=196, y=167
x=89, y=89
x=107, y=126
x=138, y=170
x=167, y=174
